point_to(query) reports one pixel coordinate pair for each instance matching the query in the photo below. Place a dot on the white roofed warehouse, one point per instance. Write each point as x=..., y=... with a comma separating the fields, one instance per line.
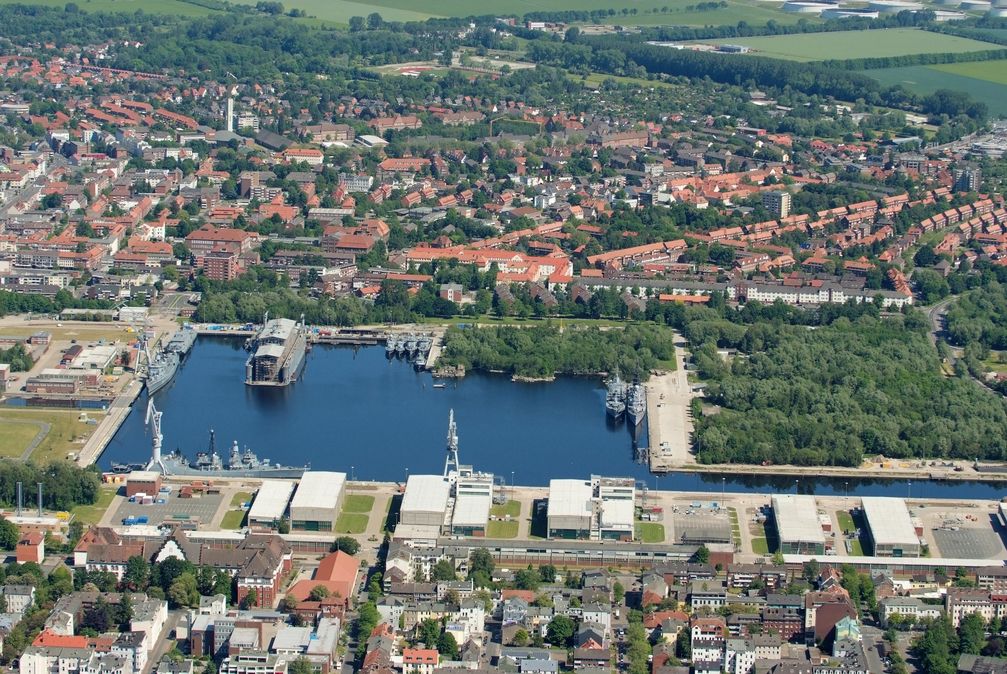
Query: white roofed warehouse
x=425, y=502
x=316, y=503
x=890, y=528
x=797, y=525
x=570, y=508
x=270, y=504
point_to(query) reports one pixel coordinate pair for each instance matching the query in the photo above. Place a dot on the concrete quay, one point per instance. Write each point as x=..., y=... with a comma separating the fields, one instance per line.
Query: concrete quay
x=109, y=425
x=669, y=416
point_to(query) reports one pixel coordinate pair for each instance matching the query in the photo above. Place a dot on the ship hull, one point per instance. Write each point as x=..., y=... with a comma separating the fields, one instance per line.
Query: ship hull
x=157, y=383
x=188, y=471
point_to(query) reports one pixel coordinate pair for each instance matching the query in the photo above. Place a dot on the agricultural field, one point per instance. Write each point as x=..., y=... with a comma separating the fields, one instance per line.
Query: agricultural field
x=984, y=81
x=683, y=13
x=857, y=44
x=171, y=7
x=648, y=12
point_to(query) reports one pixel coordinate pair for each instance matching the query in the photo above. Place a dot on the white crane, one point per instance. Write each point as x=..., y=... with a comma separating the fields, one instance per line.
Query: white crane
x=153, y=419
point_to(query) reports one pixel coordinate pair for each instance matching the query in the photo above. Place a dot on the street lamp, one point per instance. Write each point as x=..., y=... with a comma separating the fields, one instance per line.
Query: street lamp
x=909, y=490
x=723, y=489
x=796, y=489
x=846, y=491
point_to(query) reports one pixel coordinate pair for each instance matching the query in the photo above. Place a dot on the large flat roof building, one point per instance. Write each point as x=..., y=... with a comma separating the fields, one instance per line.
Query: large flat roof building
x=571, y=508
x=425, y=501
x=270, y=503
x=473, y=500
x=890, y=528
x=797, y=525
x=316, y=502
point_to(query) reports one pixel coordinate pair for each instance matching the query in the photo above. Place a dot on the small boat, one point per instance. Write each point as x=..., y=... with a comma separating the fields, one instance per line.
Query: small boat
x=440, y=385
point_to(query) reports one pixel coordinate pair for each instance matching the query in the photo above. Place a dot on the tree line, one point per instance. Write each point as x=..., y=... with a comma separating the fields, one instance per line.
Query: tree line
x=545, y=350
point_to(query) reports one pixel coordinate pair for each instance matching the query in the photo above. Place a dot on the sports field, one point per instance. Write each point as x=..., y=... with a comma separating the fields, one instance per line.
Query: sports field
x=857, y=44
x=984, y=81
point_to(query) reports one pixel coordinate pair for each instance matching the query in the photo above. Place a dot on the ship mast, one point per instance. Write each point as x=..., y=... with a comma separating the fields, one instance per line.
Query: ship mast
x=154, y=420
x=451, y=460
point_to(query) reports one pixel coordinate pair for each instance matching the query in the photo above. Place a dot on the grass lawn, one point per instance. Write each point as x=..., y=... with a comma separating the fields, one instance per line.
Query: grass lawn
x=509, y=509
x=233, y=519
x=92, y=514
x=650, y=532
x=498, y=529
x=856, y=44
x=845, y=520
x=239, y=498
x=83, y=333
x=64, y=436
x=351, y=523
x=16, y=436
x=856, y=549
x=358, y=503
x=760, y=546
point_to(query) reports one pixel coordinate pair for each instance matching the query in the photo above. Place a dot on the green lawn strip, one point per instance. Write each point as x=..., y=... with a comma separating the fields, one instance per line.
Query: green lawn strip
x=760, y=546
x=845, y=520
x=239, y=498
x=650, y=532
x=351, y=523
x=499, y=529
x=233, y=519
x=358, y=503
x=509, y=509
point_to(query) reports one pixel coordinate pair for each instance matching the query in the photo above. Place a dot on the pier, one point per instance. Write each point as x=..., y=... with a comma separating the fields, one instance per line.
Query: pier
x=108, y=426
x=669, y=416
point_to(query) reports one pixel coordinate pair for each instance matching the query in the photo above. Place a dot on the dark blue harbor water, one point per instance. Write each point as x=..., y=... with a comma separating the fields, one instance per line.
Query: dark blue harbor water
x=355, y=411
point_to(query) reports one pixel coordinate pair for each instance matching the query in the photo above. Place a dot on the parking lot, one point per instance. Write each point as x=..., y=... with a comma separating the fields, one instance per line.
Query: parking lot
x=202, y=509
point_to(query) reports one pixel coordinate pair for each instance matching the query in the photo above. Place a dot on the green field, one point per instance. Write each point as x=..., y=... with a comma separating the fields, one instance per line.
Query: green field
x=845, y=520
x=340, y=11
x=16, y=436
x=233, y=519
x=509, y=509
x=927, y=79
x=174, y=7
x=92, y=514
x=857, y=44
x=735, y=11
x=351, y=523
x=358, y=503
x=239, y=498
x=650, y=532
x=498, y=529
x=989, y=71
x=760, y=546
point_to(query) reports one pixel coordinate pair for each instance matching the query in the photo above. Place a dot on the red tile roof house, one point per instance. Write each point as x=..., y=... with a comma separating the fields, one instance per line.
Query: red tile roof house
x=31, y=548
x=419, y=660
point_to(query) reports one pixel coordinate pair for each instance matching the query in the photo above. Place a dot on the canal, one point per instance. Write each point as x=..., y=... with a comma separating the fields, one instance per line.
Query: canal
x=353, y=410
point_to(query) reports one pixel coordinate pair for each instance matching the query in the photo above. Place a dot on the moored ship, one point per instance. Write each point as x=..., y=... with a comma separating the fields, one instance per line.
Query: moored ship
x=161, y=370
x=277, y=353
x=209, y=464
x=636, y=404
x=615, y=397
x=182, y=341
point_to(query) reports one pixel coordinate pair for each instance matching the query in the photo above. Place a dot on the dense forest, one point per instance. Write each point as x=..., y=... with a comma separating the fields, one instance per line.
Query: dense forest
x=979, y=316
x=546, y=350
x=835, y=395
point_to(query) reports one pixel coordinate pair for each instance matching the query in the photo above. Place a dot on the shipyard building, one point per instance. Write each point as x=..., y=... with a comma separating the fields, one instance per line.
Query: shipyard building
x=797, y=525
x=316, y=503
x=270, y=503
x=425, y=502
x=601, y=508
x=890, y=529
